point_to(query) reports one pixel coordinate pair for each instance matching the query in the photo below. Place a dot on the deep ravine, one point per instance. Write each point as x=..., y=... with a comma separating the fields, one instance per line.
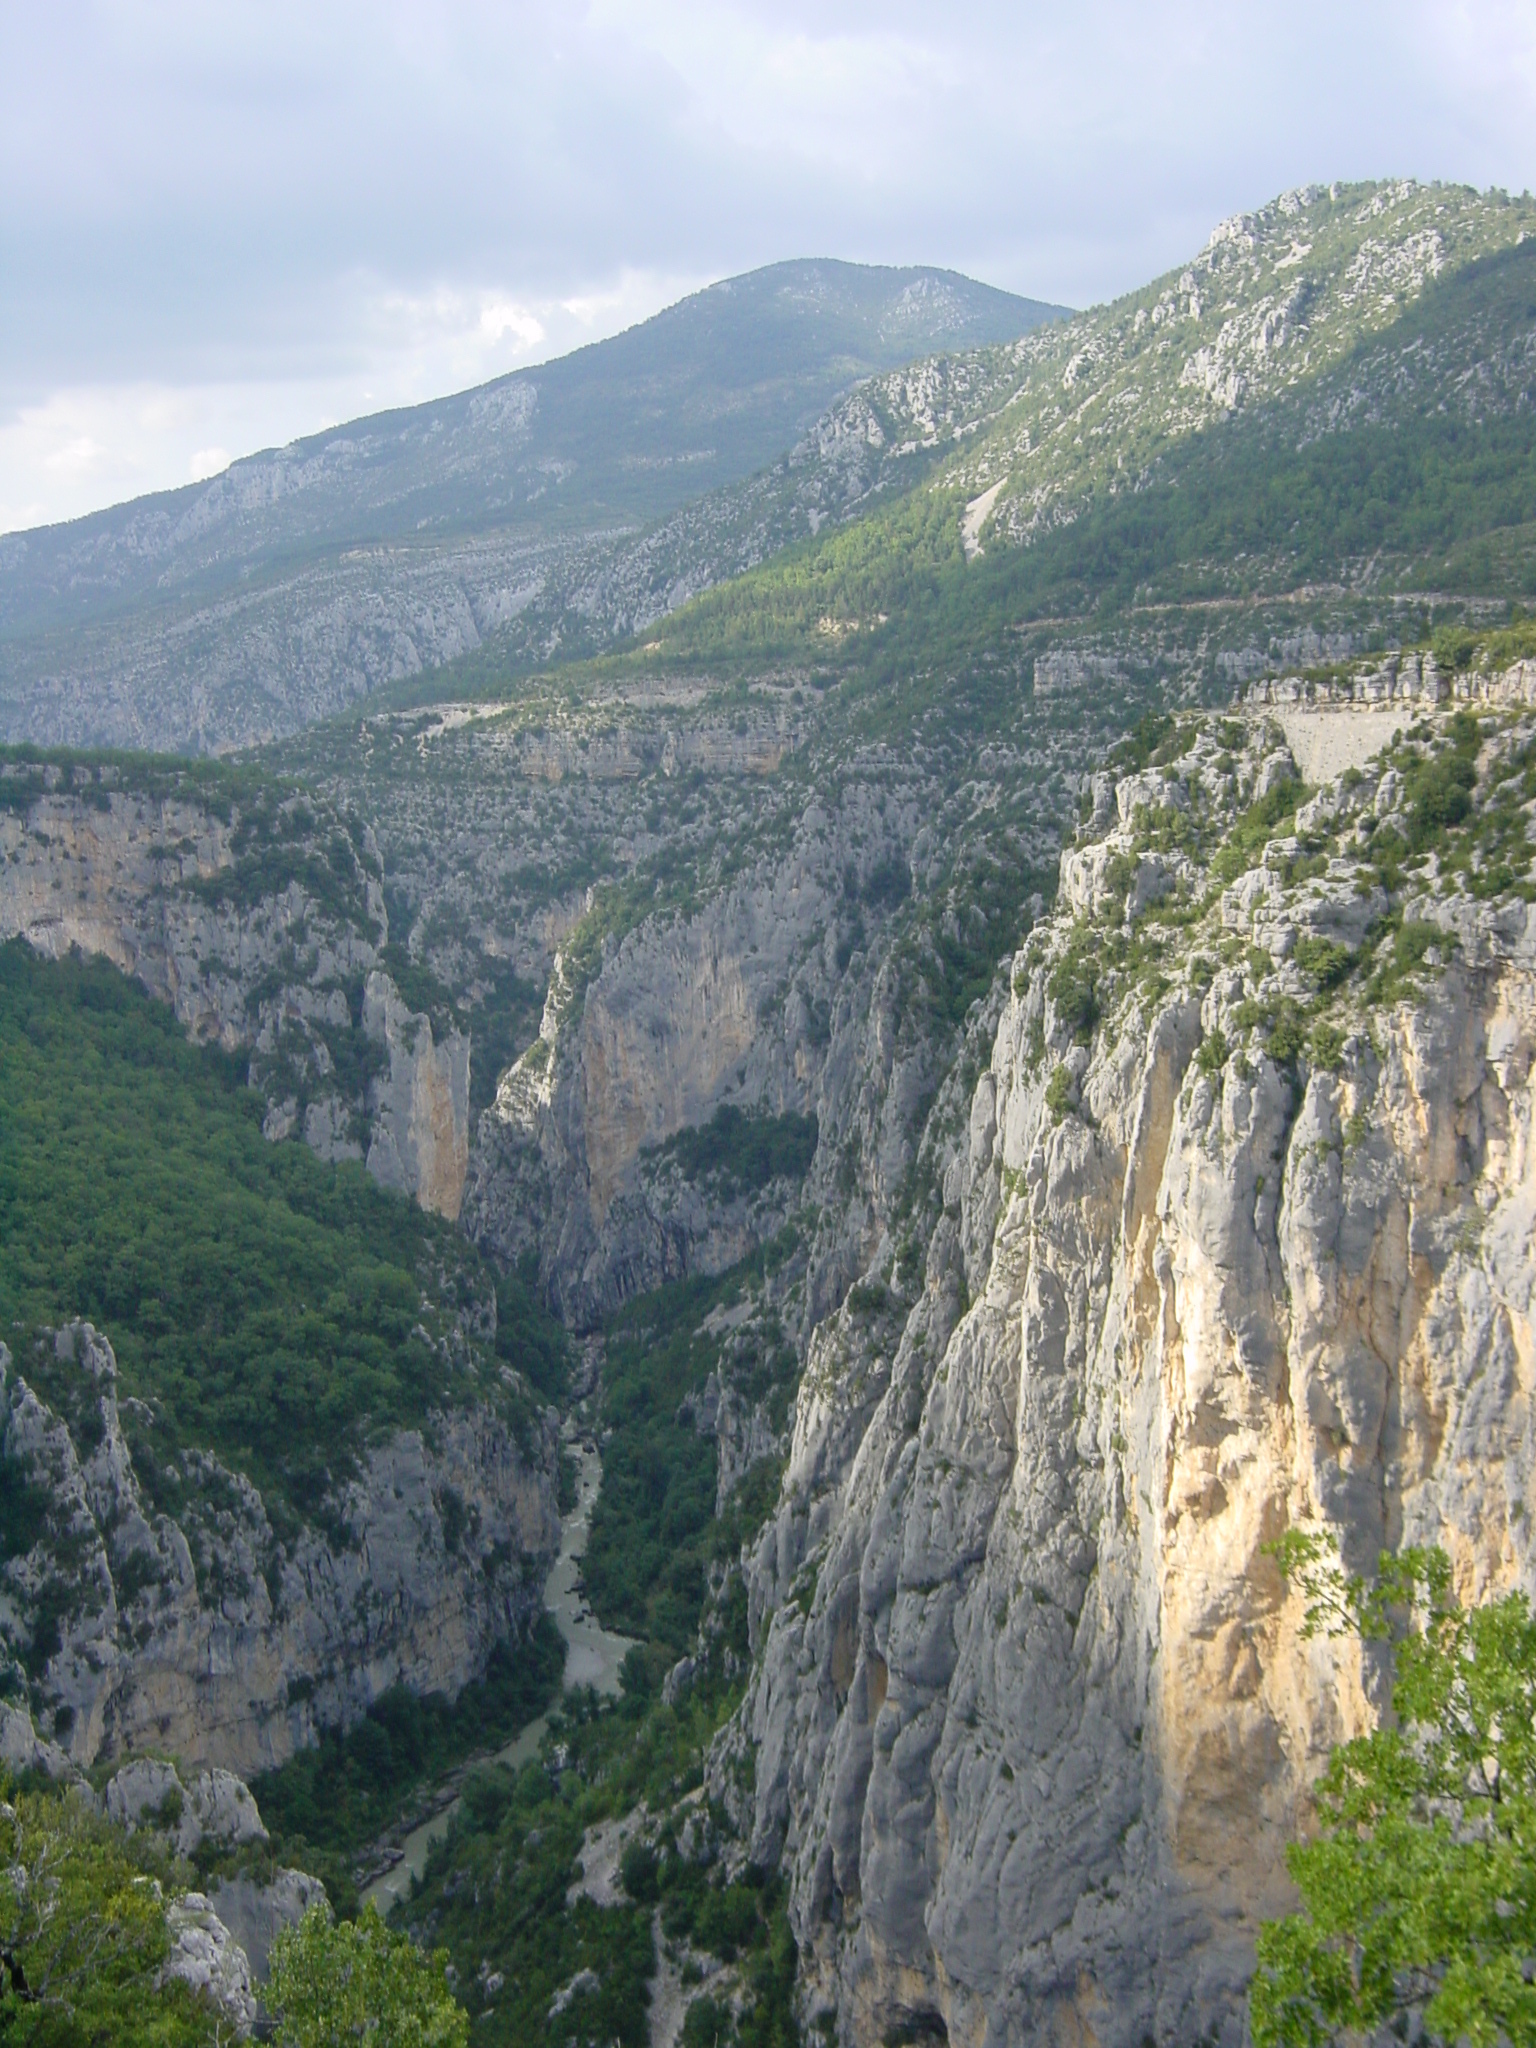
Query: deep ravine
x=594, y=1657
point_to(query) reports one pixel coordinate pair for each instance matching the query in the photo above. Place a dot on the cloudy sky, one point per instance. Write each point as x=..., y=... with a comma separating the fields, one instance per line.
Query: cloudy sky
x=224, y=224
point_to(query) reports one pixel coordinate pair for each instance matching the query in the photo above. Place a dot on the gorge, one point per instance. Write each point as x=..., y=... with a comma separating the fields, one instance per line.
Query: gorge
x=974, y=1055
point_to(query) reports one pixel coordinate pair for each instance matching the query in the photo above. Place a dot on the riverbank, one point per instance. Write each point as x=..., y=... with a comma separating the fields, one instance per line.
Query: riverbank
x=594, y=1656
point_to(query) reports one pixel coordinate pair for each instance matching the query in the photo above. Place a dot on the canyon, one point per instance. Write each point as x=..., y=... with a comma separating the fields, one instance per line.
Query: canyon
x=963, y=1037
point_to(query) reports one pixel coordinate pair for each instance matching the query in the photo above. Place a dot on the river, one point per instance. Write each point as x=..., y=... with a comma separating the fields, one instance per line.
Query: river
x=593, y=1656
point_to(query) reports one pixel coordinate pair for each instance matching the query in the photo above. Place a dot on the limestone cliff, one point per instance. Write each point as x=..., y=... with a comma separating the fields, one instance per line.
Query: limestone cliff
x=216, y=1637
x=1237, y=1235
x=420, y=1106
x=261, y=922
x=805, y=986
x=744, y=1002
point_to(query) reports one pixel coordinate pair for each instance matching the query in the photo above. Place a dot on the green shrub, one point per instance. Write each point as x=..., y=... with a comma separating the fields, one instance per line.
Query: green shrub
x=741, y=1151
x=1253, y=831
x=1213, y=1054
x=1058, y=1093
x=83, y=1933
x=1417, y=1915
x=1326, y=1046
x=1325, y=962
x=1073, y=986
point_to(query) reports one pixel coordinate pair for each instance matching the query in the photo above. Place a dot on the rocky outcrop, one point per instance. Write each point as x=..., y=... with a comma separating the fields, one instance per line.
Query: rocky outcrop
x=1232, y=1247
x=208, y=1959
x=23, y=1749
x=420, y=1105
x=260, y=923
x=257, y=1913
x=749, y=1002
x=216, y=1805
x=209, y=1635
x=230, y=1932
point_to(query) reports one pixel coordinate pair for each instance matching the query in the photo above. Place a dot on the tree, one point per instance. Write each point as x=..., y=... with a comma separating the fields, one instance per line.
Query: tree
x=83, y=1936
x=334, y=1983
x=1419, y=1891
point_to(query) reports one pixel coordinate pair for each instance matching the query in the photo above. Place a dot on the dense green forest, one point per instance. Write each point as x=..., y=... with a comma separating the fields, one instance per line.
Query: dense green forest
x=654, y=1529
x=267, y=1304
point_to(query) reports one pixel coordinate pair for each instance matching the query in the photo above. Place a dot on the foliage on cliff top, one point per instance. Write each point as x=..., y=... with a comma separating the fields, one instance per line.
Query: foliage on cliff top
x=83, y=1933
x=269, y=1307
x=334, y=1982
x=1419, y=1893
x=1444, y=820
x=95, y=774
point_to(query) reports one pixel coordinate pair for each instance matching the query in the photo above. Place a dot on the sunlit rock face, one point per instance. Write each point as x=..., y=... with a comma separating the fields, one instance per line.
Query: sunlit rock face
x=420, y=1106
x=1032, y=1717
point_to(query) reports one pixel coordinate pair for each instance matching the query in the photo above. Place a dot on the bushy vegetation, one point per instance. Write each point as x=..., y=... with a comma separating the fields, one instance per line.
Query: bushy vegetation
x=268, y=1306
x=528, y=1337
x=654, y=1529
x=342, y=1982
x=83, y=1933
x=224, y=788
x=329, y=1802
x=742, y=1150
x=1419, y=1888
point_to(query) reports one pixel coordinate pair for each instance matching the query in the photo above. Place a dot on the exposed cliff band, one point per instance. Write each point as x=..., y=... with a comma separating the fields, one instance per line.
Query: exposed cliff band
x=262, y=924
x=210, y=1636
x=1243, y=1213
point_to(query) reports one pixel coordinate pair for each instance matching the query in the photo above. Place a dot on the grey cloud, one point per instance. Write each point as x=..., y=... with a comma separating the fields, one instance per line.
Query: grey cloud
x=195, y=194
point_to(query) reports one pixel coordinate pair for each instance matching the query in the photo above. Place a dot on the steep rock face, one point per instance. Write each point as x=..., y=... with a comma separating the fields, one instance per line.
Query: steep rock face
x=161, y=882
x=748, y=1001
x=420, y=1107
x=210, y=1636
x=1031, y=1717
x=257, y=921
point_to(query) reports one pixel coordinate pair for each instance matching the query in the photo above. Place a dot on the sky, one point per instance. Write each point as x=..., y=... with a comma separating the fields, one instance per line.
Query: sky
x=223, y=226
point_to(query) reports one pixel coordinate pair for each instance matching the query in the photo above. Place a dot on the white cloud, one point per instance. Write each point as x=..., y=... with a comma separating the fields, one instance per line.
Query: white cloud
x=502, y=319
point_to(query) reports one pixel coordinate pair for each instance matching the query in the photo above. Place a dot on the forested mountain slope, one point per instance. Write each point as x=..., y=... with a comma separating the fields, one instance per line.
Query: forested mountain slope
x=286, y=1463
x=1367, y=434
x=305, y=576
